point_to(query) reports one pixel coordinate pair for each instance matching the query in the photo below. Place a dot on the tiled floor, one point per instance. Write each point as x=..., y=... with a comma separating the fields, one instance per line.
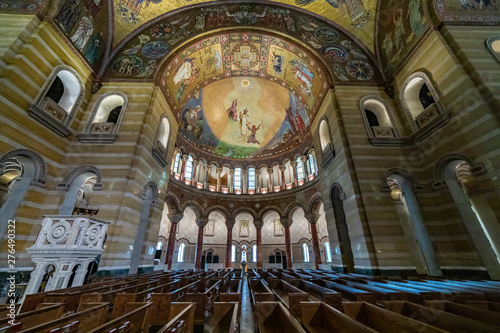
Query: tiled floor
x=247, y=323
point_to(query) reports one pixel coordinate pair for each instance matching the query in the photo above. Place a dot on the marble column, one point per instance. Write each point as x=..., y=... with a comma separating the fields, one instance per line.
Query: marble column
x=257, y=181
x=229, y=240
x=294, y=168
x=258, y=225
x=313, y=219
x=174, y=219
x=183, y=169
x=230, y=181
x=283, y=182
x=244, y=182
x=205, y=181
x=270, y=173
x=288, y=242
x=305, y=166
x=218, y=179
x=193, y=179
x=201, y=222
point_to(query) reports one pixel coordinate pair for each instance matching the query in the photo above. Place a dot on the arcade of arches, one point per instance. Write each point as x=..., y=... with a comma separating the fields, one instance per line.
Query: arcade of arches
x=150, y=135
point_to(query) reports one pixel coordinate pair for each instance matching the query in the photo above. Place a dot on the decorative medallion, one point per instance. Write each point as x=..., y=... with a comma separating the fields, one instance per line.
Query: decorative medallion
x=155, y=50
x=327, y=35
x=360, y=70
x=162, y=31
x=59, y=233
x=127, y=65
x=335, y=53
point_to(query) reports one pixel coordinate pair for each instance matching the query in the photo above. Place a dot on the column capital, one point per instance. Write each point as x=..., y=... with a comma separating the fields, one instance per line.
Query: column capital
x=282, y=167
x=312, y=218
x=230, y=222
x=244, y=172
x=218, y=170
x=196, y=162
x=202, y=221
x=303, y=158
x=293, y=163
x=176, y=217
x=286, y=222
x=258, y=223
x=184, y=157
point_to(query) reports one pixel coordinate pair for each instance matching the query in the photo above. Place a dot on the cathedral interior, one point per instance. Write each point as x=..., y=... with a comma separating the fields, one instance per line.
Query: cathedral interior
x=311, y=137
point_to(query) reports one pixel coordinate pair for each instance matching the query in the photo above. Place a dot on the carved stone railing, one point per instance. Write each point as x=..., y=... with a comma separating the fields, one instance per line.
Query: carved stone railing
x=99, y=133
x=50, y=114
x=160, y=154
x=431, y=112
x=327, y=155
x=382, y=132
x=65, y=245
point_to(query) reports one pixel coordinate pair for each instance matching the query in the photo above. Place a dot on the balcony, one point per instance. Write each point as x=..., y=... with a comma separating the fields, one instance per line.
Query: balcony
x=160, y=154
x=51, y=115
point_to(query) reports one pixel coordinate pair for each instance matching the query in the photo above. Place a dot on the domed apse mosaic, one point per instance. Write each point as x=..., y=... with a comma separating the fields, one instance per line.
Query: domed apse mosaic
x=244, y=117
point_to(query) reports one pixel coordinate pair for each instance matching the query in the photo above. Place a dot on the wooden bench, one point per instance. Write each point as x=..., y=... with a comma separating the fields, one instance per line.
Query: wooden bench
x=349, y=293
x=485, y=305
x=233, y=291
x=485, y=316
x=260, y=292
x=414, y=295
x=273, y=317
x=319, y=317
x=448, y=292
x=225, y=318
x=44, y=312
x=88, y=319
x=136, y=314
x=441, y=319
x=11, y=328
x=381, y=294
x=289, y=295
x=318, y=293
x=384, y=320
x=204, y=300
x=181, y=319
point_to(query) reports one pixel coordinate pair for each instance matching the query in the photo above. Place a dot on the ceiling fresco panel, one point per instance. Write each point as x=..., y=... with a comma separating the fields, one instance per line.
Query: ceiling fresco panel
x=473, y=11
x=356, y=16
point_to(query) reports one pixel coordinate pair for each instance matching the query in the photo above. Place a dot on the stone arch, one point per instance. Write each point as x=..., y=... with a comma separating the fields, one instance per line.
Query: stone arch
x=154, y=188
x=97, y=107
x=291, y=208
x=383, y=112
x=493, y=45
x=401, y=172
x=220, y=209
x=440, y=167
x=195, y=206
x=240, y=210
x=172, y=203
x=40, y=176
x=73, y=174
x=271, y=208
x=315, y=202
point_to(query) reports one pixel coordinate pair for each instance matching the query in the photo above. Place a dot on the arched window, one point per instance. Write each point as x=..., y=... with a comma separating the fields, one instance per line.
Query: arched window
x=305, y=252
x=159, y=246
x=161, y=144
x=59, y=100
x=328, y=252
x=254, y=253
x=251, y=178
x=105, y=118
x=312, y=164
x=180, y=254
x=420, y=102
x=233, y=253
x=493, y=44
x=177, y=163
x=377, y=117
x=243, y=253
x=300, y=169
x=237, y=179
x=327, y=151
x=188, y=174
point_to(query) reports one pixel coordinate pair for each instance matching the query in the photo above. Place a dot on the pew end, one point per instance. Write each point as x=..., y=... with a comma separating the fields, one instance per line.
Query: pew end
x=273, y=317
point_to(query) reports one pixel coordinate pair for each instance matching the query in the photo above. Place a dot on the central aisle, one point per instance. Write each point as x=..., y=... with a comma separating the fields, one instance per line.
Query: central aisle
x=247, y=321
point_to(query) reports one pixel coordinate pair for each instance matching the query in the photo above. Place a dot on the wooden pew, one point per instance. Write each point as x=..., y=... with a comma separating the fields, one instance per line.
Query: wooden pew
x=414, y=295
x=181, y=319
x=88, y=319
x=441, y=319
x=381, y=294
x=289, y=295
x=349, y=293
x=11, y=328
x=233, y=291
x=490, y=306
x=44, y=312
x=260, y=292
x=137, y=314
x=319, y=293
x=225, y=318
x=319, y=317
x=384, y=320
x=273, y=317
x=204, y=300
x=448, y=291
x=485, y=316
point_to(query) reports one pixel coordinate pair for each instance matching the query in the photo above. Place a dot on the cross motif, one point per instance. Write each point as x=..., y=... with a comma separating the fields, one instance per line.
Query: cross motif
x=245, y=58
